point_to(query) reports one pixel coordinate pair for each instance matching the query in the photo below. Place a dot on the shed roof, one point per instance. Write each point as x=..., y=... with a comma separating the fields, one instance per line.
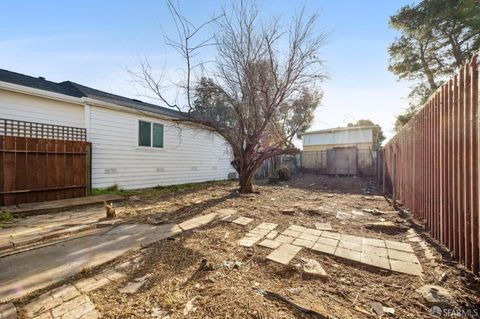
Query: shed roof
x=339, y=129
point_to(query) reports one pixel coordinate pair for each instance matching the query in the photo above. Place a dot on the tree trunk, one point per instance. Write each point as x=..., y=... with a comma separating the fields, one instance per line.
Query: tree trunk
x=428, y=72
x=245, y=182
x=456, y=50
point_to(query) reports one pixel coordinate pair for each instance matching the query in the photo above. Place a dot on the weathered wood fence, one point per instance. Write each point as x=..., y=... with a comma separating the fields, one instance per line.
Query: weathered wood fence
x=364, y=161
x=432, y=166
x=40, y=162
x=270, y=166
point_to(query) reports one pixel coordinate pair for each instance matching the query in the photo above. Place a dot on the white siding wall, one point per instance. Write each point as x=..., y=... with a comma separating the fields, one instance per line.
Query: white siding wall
x=339, y=137
x=189, y=155
x=17, y=106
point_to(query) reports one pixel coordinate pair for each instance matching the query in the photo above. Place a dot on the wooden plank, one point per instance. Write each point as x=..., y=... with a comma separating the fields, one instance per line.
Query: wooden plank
x=475, y=171
x=56, y=205
x=467, y=172
x=42, y=168
x=69, y=193
x=32, y=169
x=455, y=167
x=450, y=165
x=51, y=170
x=20, y=169
x=461, y=167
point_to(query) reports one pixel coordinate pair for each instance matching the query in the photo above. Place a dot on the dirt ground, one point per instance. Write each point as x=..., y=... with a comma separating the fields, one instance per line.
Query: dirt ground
x=224, y=289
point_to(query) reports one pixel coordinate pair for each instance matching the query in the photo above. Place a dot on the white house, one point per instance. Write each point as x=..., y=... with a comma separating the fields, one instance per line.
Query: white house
x=134, y=144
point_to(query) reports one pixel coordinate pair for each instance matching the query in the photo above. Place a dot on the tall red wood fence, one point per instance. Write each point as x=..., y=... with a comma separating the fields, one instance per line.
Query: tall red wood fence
x=432, y=166
x=40, y=162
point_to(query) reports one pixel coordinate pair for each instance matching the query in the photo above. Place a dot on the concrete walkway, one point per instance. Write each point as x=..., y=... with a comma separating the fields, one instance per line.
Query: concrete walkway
x=38, y=228
x=23, y=273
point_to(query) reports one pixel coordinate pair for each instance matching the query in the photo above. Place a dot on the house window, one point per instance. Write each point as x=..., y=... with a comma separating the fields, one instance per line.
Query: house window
x=150, y=134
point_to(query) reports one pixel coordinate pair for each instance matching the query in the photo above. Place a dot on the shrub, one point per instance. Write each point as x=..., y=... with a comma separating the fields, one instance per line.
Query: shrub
x=283, y=173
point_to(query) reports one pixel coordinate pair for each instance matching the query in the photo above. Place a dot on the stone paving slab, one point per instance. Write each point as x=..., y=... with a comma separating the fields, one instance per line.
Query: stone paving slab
x=65, y=292
x=406, y=267
x=314, y=232
x=267, y=226
x=373, y=242
x=243, y=221
x=398, y=246
x=348, y=254
x=332, y=235
x=272, y=234
x=285, y=239
x=249, y=241
x=291, y=233
x=132, y=287
x=308, y=236
x=323, y=226
x=68, y=301
x=324, y=248
x=350, y=245
x=284, y=253
x=375, y=260
x=69, y=306
x=403, y=256
x=256, y=234
x=198, y=221
x=351, y=239
x=268, y=243
x=91, y=284
x=303, y=243
x=375, y=251
x=228, y=218
x=328, y=241
x=40, y=305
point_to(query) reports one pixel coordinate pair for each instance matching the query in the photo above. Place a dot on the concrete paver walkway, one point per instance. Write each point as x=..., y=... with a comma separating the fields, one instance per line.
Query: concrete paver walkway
x=36, y=269
x=390, y=255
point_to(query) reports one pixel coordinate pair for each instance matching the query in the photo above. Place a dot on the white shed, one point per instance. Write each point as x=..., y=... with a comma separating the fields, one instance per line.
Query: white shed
x=360, y=136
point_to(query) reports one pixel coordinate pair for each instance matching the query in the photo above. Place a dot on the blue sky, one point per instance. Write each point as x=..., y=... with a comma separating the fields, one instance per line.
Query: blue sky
x=94, y=42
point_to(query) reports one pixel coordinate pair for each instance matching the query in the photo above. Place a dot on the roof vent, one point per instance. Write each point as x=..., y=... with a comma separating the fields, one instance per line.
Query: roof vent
x=41, y=78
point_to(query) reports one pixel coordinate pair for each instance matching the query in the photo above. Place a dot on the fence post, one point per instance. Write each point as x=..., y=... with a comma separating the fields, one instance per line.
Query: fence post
x=383, y=171
x=394, y=180
x=88, y=169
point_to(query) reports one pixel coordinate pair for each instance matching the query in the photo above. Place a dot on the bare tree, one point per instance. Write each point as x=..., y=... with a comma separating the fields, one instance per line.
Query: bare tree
x=261, y=91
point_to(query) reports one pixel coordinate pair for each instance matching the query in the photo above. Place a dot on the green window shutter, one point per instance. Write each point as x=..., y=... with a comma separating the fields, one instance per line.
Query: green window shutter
x=144, y=133
x=157, y=135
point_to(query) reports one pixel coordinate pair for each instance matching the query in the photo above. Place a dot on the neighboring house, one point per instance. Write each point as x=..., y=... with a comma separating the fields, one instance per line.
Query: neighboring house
x=133, y=144
x=342, y=150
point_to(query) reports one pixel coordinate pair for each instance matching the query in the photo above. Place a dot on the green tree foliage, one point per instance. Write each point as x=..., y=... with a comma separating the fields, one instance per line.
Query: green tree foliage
x=436, y=37
x=378, y=136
